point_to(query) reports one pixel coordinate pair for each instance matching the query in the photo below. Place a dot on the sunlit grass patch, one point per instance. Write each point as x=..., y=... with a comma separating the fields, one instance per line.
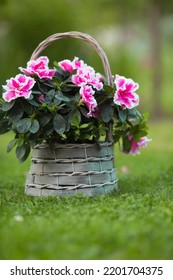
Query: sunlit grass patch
x=134, y=223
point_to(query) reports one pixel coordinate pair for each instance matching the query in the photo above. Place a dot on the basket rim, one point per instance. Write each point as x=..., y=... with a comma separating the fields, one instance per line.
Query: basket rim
x=55, y=145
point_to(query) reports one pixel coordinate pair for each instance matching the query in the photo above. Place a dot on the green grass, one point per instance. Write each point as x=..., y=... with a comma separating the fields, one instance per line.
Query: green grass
x=134, y=223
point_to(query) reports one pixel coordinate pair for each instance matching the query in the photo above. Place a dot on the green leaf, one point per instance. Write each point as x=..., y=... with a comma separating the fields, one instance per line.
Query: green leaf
x=4, y=126
x=34, y=126
x=74, y=116
x=57, y=102
x=116, y=137
x=86, y=127
x=20, y=142
x=85, y=136
x=15, y=114
x=126, y=144
x=59, y=124
x=22, y=152
x=23, y=125
x=34, y=103
x=44, y=119
x=49, y=96
x=67, y=126
x=56, y=64
x=28, y=108
x=122, y=115
x=42, y=87
x=75, y=121
x=139, y=135
x=48, y=129
x=11, y=145
x=36, y=92
x=62, y=97
x=84, y=112
x=7, y=105
x=107, y=112
x=132, y=113
x=27, y=152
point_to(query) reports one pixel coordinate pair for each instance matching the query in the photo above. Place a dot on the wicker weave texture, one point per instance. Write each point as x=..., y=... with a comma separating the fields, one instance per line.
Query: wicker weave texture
x=66, y=169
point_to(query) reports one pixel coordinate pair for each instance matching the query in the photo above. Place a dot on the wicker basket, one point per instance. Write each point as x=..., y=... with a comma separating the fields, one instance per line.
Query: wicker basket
x=67, y=169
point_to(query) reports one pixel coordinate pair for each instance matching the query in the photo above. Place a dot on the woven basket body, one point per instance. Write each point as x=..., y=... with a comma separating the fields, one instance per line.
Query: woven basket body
x=67, y=169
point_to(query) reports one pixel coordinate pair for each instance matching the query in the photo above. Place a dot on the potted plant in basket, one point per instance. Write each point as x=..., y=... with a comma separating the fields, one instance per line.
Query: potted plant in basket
x=65, y=105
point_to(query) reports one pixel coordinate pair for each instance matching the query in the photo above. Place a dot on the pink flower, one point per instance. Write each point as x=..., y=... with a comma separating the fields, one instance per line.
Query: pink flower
x=20, y=86
x=78, y=63
x=125, y=95
x=68, y=65
x=87, y=94
x=135, y=146
x=96, y=81
x=87, y=76
x=80, y=78
x=41, y=98
x=39, y=67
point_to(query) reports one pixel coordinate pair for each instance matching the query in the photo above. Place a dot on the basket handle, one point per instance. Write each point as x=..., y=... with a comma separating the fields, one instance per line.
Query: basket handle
x=87, y=38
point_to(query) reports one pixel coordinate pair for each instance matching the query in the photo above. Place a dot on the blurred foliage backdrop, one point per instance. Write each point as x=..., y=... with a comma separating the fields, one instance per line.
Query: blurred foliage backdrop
x=137, y=37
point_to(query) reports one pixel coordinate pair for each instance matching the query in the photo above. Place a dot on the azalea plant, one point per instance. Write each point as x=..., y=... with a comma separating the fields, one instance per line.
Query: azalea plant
x=70, y=103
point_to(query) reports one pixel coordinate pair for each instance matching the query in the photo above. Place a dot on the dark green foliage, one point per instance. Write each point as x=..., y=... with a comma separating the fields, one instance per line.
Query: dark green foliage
x=122, y=115
x=107, y=112
x=34, y=126
x=23, y=125
x=59, y=124
x=4, y=126
x=55, y=112
x=11, y=145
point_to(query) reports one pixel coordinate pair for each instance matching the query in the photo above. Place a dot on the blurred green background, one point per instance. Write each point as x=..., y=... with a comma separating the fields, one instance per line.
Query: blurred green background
x=137, y=37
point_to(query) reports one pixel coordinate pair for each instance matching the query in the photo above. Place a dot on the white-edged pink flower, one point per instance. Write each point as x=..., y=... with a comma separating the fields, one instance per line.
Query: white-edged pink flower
x=125, y=95
x=78, y=63
x=97, y=81
x=39, y=67
x=80, y=78
x=86, y=76
x=135, y=146
x=19, y=86
x=87, y=95
x=68, y=65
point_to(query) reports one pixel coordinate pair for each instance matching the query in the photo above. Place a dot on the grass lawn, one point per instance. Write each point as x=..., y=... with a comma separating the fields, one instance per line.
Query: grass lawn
x=134, y=223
